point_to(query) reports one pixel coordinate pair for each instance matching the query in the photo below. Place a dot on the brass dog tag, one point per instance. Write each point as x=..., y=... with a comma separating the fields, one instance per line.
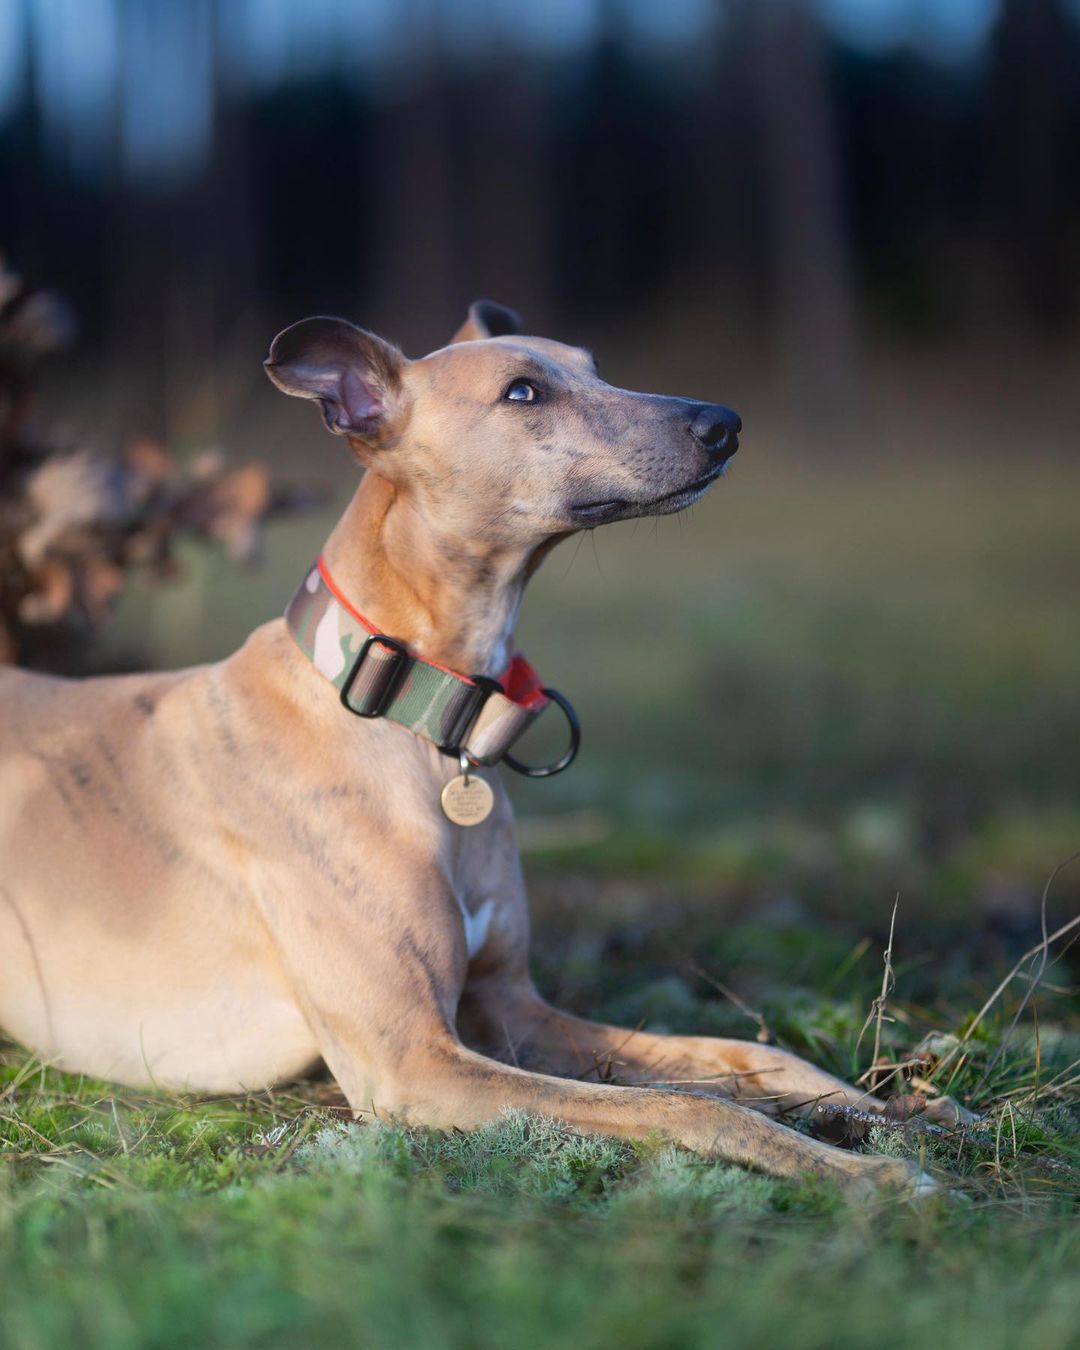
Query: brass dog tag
x=467, y=801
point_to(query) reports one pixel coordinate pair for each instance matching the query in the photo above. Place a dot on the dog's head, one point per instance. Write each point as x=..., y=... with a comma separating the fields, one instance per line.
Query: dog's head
x=510, y=438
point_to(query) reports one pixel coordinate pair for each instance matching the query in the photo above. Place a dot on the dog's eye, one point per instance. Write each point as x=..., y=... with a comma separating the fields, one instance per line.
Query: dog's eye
x=521, y=391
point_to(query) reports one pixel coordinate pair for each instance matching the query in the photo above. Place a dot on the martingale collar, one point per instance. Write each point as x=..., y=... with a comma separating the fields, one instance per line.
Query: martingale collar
x=377, y=676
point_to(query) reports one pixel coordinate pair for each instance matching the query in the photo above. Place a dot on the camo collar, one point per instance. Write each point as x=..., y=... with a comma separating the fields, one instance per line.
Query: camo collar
x=377, y=676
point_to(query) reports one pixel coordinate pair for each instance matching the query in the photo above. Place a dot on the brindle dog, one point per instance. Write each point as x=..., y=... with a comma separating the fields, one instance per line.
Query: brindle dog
x=212, y=879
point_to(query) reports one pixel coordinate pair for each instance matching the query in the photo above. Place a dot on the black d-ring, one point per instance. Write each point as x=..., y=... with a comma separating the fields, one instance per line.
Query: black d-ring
x=546, y=770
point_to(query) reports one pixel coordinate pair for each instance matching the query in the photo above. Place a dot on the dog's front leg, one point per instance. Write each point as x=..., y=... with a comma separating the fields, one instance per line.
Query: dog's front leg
x=446, y=1085
x=379, y=978
x=514, y=1023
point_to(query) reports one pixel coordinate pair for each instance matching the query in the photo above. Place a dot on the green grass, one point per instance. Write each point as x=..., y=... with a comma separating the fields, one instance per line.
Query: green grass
x=839, y=679
x=142, y=1220
x=518, y=1235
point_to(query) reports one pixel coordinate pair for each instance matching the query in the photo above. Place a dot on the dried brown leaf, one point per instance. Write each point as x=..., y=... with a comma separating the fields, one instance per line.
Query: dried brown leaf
x=905, y=1105
x=52, y=595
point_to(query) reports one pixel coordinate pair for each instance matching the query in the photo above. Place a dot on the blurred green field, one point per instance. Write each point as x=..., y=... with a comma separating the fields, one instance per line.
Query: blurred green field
x=836, y=670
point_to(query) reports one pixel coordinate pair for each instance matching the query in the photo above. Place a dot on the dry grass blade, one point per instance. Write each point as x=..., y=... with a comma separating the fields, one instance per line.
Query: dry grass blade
x=1041, y=946
x=877, y=1008
x=764, y=1035
x=25, y=1128
x=1043, y=954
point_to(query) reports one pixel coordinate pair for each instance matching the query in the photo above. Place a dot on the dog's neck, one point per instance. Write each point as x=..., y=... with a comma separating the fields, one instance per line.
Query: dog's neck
x=450, y=600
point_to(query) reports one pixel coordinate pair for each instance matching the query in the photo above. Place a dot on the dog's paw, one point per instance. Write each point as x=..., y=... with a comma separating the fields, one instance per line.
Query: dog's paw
x=872, y=1178
x=884, y=1180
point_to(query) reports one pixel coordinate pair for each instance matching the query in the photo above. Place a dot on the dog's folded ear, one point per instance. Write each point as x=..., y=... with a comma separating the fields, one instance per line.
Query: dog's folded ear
x=487, y=320
x=354, y=375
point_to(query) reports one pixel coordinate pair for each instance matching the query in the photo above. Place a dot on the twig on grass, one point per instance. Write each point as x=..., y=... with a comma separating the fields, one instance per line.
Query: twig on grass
x=862, y=1120
x=858, y=1121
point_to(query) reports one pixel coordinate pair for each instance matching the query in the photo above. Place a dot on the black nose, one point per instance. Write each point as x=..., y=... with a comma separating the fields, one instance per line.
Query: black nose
x=717, y=429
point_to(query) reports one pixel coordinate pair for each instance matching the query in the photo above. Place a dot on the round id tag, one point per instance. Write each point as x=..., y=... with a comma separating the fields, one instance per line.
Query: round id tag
x=467, y=800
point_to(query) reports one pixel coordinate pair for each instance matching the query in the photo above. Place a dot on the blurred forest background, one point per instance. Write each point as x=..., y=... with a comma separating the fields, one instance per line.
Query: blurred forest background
x=854, y=667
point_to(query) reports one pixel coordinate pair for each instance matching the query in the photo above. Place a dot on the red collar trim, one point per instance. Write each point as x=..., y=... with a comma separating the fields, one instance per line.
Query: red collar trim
x=519, y=680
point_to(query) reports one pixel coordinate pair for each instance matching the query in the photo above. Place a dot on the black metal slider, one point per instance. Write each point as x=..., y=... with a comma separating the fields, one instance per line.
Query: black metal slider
x=391, y=683
x=547, y=770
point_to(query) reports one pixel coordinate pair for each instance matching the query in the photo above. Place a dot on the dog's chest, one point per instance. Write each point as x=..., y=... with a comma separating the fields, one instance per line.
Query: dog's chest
x=486, y=883
x=477, y=923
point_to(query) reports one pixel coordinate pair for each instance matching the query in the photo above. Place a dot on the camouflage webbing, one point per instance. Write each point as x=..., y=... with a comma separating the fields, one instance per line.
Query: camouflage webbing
x=428, y=699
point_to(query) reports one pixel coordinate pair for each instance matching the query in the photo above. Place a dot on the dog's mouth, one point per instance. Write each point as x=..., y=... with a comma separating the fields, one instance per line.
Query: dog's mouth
x=620, y=508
